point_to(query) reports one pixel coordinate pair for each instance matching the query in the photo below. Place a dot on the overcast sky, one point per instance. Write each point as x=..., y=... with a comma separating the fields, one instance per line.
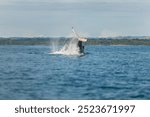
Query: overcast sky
x=93, y=18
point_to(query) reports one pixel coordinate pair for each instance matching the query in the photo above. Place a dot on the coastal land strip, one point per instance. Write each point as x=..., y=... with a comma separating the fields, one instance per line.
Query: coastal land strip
x=61, y=40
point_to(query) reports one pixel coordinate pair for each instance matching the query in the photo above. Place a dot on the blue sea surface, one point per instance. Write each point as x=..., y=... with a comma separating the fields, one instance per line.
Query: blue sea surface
x=104, y=72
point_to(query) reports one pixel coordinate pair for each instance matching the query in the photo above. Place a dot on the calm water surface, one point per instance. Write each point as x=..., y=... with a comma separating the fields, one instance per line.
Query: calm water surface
x=104, y=72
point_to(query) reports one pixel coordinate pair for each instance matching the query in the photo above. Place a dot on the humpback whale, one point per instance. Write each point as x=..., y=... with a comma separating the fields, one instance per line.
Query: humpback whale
x=80, y=41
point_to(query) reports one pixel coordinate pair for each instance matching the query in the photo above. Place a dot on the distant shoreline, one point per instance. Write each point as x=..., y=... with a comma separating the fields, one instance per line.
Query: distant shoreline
x=60, y=41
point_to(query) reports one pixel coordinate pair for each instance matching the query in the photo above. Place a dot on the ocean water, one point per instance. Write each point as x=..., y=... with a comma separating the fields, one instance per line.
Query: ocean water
x=104, y=72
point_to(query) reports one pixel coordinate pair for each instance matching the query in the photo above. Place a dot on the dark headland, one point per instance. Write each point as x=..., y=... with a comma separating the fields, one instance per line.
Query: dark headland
x=122, y=40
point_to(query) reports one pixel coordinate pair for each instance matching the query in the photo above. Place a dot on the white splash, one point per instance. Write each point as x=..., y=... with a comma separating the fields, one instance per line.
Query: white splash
x=70, y=48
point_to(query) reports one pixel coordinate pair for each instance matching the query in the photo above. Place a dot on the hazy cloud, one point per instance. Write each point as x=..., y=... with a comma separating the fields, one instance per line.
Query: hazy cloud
x=55, y=17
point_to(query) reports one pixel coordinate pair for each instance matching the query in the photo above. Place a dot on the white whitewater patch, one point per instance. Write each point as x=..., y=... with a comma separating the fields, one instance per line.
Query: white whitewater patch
x=70, y=48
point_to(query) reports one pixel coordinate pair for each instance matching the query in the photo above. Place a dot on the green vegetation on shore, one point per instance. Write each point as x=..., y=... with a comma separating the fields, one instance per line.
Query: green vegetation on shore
x=91, y=41
x=119, y=42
